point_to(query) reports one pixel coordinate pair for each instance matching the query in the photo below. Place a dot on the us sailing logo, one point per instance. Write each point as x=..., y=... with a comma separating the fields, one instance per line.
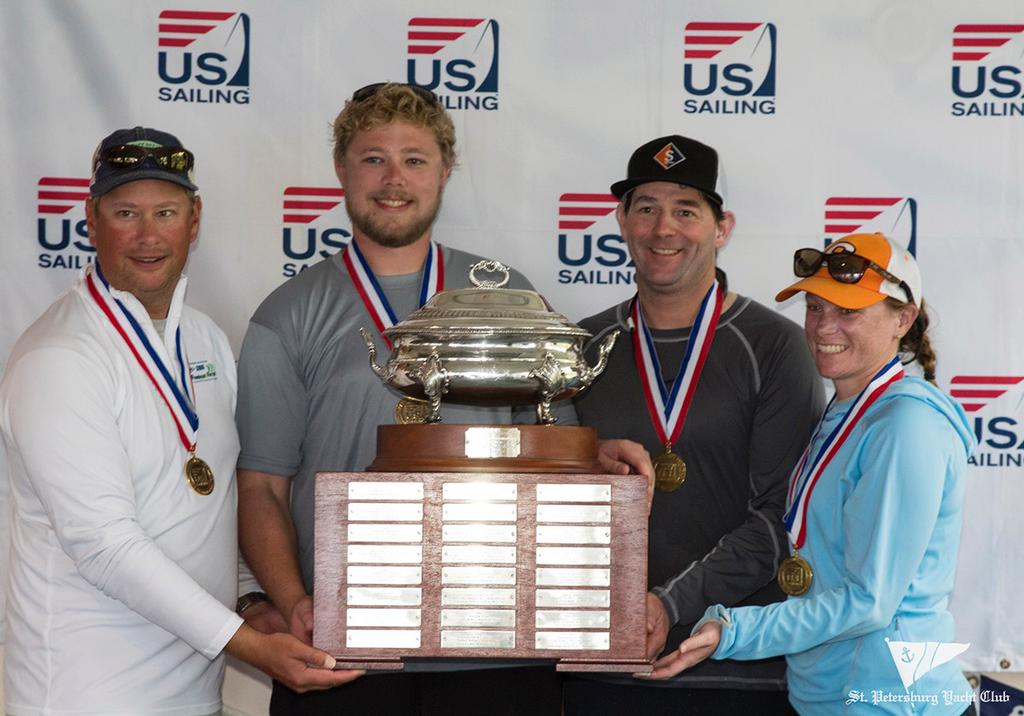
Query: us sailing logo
x=894, y=216
x=986, y=70
x=312, y=226
x=590, y=248
x=203, y=57
x=729, y=68
x=60, y=223
x=456, y=59
x=994, y=405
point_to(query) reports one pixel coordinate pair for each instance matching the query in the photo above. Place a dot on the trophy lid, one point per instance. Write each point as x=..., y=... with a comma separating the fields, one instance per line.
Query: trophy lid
x=486, y=308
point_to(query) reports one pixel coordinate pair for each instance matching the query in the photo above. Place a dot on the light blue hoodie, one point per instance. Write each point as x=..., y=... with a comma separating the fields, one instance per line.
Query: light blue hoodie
x=883, y=531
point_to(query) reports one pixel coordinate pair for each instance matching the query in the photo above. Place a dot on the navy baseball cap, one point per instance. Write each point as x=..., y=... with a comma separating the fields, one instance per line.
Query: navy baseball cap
x=140, y=153
x=675, y=159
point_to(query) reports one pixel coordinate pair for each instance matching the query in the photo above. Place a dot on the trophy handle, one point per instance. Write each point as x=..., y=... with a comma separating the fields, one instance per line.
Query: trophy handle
x=589, y=374
x=381, y=373
x=552, y=382
x=433, y=378
x=489, y=267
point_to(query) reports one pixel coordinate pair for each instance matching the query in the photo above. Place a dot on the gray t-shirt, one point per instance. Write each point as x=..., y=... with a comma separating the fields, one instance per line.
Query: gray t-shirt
x=307, y=399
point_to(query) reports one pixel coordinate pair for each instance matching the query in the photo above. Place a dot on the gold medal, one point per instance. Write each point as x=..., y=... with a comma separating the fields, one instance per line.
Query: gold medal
x=411, y=410
x=199, y=475
x=669, y=470
x=795, y=575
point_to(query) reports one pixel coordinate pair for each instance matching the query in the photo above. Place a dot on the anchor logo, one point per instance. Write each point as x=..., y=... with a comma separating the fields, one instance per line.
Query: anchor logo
x=906, y=656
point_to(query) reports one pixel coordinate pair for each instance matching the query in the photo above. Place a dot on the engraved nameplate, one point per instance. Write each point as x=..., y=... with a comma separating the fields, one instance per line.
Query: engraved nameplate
x=478, y=511
x=480, y=596
x=382, y=639
x=385, y=554
x=480, y=575
x=404, y=491
x=384, y=575
x=388, y=596
x=574, y=493
x=478, y=618
x=480, y=491
x=573, y=598
x=572, y=619
x=384, y=512
x=382, y=617
x=479, y=533
x=492, y=442
x=385, y=533
x=574, y=513
x=479, y=554
x=572, y=640
x=553, y=577
x=573, y=555
x=478, y=639
x=563, y=534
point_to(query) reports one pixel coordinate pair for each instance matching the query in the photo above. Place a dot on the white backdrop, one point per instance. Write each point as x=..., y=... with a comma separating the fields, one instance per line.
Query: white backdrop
x=898, y=116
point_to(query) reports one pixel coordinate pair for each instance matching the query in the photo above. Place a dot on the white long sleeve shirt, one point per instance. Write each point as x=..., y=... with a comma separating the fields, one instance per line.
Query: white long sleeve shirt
x=121, y=575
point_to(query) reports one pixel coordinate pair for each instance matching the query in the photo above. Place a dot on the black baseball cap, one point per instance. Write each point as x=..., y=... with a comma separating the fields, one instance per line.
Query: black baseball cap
x=675, y=159
x=170, y=161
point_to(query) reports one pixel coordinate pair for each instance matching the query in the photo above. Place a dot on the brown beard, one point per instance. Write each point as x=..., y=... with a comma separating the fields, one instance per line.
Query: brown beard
x=393, y=238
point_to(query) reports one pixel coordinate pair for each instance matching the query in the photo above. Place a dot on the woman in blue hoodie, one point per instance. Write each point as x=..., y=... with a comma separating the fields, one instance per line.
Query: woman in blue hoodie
x=874, y=508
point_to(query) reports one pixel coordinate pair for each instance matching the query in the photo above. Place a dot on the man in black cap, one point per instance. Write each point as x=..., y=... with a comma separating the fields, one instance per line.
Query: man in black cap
x=117, y=410
x=723, y=393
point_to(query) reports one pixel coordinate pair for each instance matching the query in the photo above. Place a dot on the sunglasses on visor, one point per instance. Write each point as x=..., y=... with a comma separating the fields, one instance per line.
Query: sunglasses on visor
x=843, y=266
x=131, y=156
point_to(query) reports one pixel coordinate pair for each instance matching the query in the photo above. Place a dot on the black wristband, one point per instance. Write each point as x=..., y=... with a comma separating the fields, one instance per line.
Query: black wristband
x=249, y=599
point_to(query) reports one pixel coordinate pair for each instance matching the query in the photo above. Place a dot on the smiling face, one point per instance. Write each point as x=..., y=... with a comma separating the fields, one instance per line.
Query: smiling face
x=672, y=234
x=851, y=345
x=142, y=231
x=393, y=176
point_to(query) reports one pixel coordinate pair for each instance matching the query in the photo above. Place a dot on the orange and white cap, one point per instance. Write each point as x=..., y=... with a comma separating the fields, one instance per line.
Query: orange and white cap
x=873, y=286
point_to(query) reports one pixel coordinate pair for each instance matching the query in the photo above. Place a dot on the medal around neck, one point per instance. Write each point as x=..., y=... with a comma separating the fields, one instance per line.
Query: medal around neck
x=795, y=575
x=199, y=475
x=669, y=470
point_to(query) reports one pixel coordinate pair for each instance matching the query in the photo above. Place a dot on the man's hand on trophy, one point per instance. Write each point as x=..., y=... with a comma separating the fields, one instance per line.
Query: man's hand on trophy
x=622, y=457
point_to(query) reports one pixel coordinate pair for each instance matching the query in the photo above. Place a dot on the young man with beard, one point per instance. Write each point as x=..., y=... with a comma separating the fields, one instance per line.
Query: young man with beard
x=308, y=401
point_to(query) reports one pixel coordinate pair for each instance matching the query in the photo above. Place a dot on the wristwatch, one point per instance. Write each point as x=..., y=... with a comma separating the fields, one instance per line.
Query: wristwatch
x=249, y=599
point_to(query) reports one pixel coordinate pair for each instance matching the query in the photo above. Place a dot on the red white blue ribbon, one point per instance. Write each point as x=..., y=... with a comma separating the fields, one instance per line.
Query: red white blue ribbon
x=805, y=475
x=373, y=296
x=151, y=357
x=668, y=408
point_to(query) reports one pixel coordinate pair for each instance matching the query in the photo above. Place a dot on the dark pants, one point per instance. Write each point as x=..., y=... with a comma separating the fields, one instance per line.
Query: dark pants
x=520, y=691
x=597, y=698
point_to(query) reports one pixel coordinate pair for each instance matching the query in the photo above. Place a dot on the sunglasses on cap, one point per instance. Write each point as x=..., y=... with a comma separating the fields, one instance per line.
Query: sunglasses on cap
x=132, y=156
x=843, y=266
x=364, y=93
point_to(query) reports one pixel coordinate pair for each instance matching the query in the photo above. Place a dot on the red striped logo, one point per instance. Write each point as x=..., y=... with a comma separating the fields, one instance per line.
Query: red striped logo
x=705, y=40
x=973, y=43
x=59, y=195
x=304, y=204
x=974, y=392
x=180, y=28
x=430, y=35
x=578, y=212
x=894, y=216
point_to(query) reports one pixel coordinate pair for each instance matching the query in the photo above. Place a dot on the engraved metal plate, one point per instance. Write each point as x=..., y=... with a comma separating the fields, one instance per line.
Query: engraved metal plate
x=478, y=618
x=574, y=493
x=562, y=534
x=573, y=555
x=572, y=640
x=480, y=596
x=385, y=554
x=573, y=598
x=492, y=442
x=572, y=619
x=477, y=511
x=404, y=491
x=554, y=577
x=479, y=554
x=451, y=639
x=479, y=533
x=382, y=617
x=385, y=533
x=385, y=512
x=480, y=575
x=480, y=491
x=382, y=639
x=387, y=596
x=384, y=575
x=574, y=513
